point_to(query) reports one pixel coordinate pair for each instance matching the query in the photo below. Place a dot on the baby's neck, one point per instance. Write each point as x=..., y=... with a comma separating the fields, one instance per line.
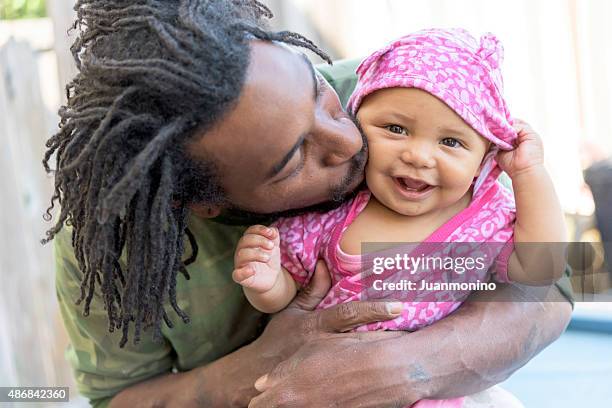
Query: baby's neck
x=377, y=223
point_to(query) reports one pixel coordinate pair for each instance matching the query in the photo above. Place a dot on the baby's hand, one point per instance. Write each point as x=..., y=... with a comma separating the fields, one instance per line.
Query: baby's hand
x=257, y=258
x=529, y=152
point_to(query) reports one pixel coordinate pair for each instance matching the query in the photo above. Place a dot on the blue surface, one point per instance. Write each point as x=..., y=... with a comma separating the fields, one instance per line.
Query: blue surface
x=575, y=371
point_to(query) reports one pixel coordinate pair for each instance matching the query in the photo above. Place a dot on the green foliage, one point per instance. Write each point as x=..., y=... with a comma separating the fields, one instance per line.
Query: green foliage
x=14, y=9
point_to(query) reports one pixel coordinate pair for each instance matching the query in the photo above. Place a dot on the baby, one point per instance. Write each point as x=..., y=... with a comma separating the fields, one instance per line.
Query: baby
x=439, y=134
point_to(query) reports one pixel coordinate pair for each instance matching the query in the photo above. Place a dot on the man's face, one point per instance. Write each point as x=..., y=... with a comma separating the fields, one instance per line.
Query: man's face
x=287, y=143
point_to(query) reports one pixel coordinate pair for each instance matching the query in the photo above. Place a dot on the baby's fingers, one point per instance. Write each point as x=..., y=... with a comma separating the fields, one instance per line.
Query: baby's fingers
x=522, y=127
x=262, y=230
x=246, y=255
x=244, y=276
x=258, y=236
x=519, y=124
x=256, y=277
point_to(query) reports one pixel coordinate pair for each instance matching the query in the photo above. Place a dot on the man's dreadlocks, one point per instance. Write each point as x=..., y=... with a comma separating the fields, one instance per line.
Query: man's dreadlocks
x=152, y=75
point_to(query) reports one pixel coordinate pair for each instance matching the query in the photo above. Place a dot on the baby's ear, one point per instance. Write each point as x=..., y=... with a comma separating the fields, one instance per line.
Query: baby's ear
x=205, y=210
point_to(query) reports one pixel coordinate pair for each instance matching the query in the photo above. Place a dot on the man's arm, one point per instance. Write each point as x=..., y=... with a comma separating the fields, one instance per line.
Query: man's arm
x=466, y=352
x=229, y=381
x=478, y=346
x=485, y=341
x=142, y=375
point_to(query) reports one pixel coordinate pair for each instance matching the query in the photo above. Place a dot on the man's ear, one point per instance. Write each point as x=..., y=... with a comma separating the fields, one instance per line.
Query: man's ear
x=205, y=210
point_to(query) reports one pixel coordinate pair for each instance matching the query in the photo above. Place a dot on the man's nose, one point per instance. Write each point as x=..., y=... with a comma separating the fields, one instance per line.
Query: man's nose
x=418, y=153
x=339, y=142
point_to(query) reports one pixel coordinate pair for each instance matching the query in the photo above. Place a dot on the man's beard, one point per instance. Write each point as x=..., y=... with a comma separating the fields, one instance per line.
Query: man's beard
x=339, y=195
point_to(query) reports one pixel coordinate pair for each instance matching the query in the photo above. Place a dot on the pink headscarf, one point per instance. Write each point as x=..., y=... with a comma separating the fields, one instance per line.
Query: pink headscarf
x=453, y=66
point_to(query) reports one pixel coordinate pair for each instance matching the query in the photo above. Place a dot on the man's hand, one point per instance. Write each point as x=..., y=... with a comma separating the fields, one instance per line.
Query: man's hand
x=229, y=381
x=309, y=364
x=467, y=352
x=350, y=370
x=298, y=324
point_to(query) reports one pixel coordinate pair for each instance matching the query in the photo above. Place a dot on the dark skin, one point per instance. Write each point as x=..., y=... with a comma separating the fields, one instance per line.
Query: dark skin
x=302, y=350
x=288, y=143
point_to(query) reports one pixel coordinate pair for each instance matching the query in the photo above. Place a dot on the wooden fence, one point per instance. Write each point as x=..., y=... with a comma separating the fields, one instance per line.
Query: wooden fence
x=32, y=339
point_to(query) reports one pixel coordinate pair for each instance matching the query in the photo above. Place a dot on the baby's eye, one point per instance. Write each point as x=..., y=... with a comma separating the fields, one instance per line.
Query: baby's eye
x=451, y=142
x=397, y=129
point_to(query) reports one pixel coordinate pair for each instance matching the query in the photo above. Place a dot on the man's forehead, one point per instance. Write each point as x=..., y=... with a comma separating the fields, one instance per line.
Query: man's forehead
x=276, y=61
x=275, y=107
x=262, y=46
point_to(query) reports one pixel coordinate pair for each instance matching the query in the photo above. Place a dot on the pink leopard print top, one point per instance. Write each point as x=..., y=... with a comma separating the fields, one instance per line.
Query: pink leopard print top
x=307, y=238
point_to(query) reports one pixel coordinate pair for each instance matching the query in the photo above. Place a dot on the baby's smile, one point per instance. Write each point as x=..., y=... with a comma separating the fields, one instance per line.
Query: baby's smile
x=413, y=189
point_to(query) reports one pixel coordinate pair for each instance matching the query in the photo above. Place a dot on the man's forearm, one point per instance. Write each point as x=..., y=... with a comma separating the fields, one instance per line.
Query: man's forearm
x=226, y=382
x=230, y=381
x=483, y=342
x=479, y=345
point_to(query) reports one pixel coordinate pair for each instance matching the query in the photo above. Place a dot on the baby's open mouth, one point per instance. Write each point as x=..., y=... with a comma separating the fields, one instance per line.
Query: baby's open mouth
x=412, y=184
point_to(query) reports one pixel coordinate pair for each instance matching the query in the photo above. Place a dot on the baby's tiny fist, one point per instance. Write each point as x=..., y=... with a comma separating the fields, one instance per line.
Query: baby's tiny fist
x=241, y=274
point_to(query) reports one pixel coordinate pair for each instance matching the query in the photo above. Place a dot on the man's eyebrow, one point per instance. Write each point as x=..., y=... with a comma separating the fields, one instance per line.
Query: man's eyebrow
x=313, y=74
x=281, y=164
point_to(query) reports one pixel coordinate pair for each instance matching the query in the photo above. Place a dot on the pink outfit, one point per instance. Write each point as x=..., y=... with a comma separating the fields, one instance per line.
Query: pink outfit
x=451, y=65
x=464, y=73
x=309, y=237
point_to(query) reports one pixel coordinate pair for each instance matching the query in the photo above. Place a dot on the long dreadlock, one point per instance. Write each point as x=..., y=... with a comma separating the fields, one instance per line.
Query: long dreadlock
x=152, y=75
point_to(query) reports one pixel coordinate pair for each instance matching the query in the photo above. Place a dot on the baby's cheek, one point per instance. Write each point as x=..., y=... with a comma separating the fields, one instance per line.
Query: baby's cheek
x=374, y=179
x=461, y=172
x=457, y=180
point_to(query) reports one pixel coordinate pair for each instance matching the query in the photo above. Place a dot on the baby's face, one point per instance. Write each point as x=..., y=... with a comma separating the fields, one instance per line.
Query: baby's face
x=422, y=156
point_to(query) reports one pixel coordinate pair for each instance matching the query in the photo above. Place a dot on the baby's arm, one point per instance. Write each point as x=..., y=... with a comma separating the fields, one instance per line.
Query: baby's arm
x=267, y=285
x=539, y=231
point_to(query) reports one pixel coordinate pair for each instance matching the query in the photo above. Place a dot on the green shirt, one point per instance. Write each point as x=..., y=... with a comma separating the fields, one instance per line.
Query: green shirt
x=221, y=318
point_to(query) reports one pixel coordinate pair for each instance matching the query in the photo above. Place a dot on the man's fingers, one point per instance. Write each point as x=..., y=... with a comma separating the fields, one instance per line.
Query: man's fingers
x=273, y=379
x=263, y=401
x=347, y=316
x=277, y=375
x=313, y=294
x=262, y=383
x=287, y=367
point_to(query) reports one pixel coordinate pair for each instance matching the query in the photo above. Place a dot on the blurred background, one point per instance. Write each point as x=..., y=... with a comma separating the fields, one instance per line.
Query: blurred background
x=558, y=77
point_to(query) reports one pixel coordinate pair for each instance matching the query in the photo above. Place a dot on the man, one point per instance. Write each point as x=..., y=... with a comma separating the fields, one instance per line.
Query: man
x=189, y=110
